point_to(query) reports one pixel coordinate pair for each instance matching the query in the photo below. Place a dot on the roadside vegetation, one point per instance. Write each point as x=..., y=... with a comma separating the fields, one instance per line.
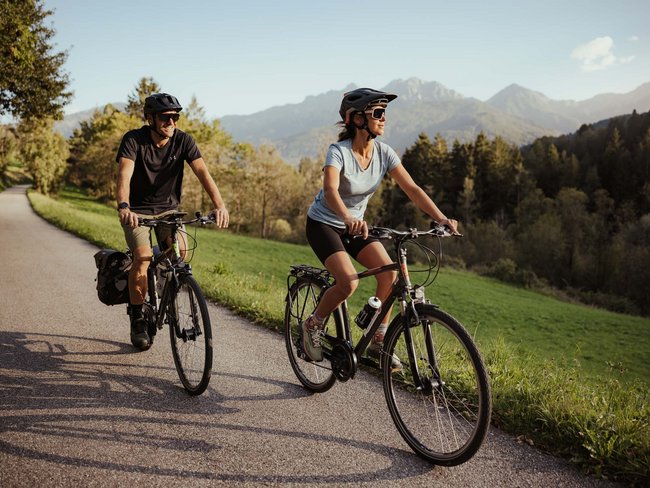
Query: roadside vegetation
x=568, y=378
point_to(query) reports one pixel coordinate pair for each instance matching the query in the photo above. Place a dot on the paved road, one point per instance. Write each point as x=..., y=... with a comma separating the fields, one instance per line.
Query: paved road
x=79, y=406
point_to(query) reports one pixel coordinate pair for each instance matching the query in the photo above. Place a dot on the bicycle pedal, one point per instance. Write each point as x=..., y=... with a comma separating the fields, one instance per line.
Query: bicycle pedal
x=366, y=361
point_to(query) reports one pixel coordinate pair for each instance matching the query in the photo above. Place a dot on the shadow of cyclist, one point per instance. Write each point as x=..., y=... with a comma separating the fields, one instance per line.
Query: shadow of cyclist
x=50, y=392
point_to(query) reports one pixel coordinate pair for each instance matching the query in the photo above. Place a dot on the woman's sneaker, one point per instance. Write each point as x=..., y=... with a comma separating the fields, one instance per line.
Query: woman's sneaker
x=375, y=351
x=311, y=334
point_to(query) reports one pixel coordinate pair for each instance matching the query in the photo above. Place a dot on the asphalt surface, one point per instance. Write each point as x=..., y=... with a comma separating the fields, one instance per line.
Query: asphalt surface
x=80, y=407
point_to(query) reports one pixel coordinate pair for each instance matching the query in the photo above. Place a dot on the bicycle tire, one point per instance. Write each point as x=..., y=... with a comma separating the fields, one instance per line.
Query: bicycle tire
x=300, y=303
x=190, y=333
x=446, y=419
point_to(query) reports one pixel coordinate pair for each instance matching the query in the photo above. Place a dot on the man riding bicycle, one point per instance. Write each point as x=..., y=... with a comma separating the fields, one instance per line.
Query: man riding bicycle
x=151, y=162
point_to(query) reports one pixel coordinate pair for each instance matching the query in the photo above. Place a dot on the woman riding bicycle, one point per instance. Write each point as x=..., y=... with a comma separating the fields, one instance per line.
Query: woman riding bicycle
x=353, y=170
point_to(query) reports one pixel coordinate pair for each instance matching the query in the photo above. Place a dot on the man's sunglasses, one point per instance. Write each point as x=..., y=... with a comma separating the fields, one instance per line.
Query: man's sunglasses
x=167, y=117
x=376, y=113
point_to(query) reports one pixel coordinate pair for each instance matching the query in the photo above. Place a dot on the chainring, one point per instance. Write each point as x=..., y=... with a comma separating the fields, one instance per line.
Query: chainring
x=344, y=361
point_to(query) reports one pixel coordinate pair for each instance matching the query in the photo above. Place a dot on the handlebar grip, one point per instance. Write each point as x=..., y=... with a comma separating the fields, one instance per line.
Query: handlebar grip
x=148, y=222
x=448, y=230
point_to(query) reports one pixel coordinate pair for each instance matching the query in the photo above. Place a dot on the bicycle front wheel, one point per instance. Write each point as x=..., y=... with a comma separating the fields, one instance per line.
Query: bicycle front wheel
x=440, y=400
x=301, y=302
x=191, y=335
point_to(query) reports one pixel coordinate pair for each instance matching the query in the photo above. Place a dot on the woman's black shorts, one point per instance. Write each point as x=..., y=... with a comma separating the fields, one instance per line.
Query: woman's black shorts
x=325, y=240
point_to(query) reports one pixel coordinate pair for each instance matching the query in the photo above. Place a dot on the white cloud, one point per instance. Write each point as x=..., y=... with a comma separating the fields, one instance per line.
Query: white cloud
x=596, y=54
x=633, y=38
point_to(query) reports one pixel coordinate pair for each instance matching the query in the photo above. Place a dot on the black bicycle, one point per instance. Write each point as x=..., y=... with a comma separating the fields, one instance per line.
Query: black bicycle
x=175, y=298
x=434, y=379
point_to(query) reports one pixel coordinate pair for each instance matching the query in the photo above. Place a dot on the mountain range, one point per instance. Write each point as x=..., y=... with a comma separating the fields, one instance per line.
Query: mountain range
x=517, y=114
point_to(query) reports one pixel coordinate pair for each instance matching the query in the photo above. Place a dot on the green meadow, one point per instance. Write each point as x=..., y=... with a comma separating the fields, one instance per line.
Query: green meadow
x=571, y=378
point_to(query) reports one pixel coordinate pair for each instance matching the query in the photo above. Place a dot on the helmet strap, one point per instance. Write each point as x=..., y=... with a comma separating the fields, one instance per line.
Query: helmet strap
x=154, y=128
x=366, y=128
x=160, y=134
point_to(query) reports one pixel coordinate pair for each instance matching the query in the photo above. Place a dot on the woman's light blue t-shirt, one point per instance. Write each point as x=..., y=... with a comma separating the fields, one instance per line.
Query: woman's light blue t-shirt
x=356, y=185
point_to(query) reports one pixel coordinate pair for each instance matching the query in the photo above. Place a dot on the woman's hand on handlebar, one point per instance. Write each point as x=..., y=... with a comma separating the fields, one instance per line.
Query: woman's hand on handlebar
x=451, y=224
x=356, y=227
x=128, y=218
x=221, y=217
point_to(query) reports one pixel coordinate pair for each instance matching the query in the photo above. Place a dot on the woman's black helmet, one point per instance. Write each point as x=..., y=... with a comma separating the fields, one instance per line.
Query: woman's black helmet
x=161, y=102
x=360, y=99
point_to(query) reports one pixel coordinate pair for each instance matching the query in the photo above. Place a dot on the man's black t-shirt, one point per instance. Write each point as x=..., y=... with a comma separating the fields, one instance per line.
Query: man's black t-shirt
x=158, y=174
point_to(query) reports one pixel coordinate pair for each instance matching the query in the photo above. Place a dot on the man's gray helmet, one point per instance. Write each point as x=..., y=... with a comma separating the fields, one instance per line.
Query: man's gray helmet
x=360, y=99
x=161, y=102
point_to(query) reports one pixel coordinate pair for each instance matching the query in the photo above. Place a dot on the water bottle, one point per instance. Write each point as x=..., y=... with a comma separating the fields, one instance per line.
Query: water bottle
x=368, y=313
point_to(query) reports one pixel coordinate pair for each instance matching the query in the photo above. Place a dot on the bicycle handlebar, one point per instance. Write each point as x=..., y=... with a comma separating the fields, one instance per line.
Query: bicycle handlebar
x=387, y=233
x=177, y=220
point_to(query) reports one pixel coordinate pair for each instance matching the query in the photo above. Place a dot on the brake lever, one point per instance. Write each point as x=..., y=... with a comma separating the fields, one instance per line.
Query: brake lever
x=452, y=234
x=446, y=231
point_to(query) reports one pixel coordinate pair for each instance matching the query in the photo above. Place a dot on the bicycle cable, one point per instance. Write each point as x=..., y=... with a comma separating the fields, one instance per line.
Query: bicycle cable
x=433, y=261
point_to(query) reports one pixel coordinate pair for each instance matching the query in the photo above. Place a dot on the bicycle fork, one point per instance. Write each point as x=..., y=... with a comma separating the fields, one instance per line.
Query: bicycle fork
x=411, y=318
x=428, y=382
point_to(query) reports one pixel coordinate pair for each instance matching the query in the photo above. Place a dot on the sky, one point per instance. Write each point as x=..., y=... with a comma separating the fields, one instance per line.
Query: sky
x=241, y=56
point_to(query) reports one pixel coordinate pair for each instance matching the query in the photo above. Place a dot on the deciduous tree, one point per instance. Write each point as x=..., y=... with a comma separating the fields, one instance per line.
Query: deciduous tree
x=32, y=81
x=44, y=153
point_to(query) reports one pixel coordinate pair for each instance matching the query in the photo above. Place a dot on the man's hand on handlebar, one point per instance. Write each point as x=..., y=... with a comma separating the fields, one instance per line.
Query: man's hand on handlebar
x=128, y=218
x=221, y=217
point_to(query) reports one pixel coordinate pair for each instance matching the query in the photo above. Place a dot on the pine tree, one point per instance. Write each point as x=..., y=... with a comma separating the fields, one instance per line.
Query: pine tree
x=135, y=101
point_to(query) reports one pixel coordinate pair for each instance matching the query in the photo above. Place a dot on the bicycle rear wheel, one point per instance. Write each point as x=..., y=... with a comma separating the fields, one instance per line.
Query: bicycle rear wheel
x=191, y=335
x=301, y=302
x=440, y=400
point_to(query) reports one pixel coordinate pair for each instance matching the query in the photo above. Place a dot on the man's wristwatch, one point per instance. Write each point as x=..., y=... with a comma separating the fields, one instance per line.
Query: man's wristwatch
x=122, y=206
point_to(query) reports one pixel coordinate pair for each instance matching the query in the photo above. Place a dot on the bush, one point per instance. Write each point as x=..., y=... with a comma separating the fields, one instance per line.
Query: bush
x=604, y=300
x=506, y=270
x=280, y=230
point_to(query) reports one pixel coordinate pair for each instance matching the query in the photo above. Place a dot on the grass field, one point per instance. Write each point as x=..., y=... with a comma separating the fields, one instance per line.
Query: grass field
x=573, y=378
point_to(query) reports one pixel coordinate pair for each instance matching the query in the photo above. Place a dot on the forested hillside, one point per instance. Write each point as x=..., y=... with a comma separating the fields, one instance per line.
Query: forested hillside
x=571, y=210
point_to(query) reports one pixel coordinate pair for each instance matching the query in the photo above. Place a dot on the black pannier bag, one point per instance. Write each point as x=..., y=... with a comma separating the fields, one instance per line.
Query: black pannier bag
x=112, y=276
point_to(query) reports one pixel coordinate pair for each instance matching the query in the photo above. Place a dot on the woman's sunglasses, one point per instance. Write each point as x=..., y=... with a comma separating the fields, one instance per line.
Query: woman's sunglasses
x=167, y=117
x=376, y=113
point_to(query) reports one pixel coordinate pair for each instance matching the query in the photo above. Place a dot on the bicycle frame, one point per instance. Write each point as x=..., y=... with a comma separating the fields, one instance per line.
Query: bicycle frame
x=342, y=317
x=170, y=259
x=400, y=291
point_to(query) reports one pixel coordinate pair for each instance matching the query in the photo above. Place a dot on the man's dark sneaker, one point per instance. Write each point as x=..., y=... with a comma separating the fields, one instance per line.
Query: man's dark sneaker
x=139, y=336
x=375, y=351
